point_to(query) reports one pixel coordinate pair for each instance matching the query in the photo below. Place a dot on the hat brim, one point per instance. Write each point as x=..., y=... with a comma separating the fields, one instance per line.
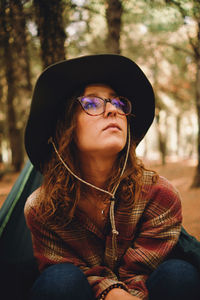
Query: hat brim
x=59, y=81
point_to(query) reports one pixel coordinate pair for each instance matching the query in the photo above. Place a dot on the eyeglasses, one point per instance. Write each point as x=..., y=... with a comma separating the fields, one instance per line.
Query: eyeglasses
x=95, y=106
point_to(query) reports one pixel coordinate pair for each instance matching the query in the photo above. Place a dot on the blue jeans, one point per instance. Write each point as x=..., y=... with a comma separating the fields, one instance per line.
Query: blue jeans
x=172, y=280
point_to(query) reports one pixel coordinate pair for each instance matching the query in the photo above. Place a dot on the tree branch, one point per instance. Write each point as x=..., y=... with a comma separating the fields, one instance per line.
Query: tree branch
x=177, y=48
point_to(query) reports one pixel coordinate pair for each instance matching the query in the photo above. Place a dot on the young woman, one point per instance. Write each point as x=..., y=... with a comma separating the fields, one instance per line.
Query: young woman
x=102, y=225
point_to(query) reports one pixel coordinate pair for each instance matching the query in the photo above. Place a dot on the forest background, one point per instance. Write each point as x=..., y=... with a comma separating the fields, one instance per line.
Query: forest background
x=162, y=36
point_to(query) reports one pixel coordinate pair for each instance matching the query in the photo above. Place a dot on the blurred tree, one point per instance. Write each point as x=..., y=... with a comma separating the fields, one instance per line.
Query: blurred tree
x=191, y=9
x=138, y=29
x=162, y=137
x=51, y=31
x=1, y=113
x=157, y=40
x=146, y=25
x=114, y=12
x=179, y=87
x=17, y=72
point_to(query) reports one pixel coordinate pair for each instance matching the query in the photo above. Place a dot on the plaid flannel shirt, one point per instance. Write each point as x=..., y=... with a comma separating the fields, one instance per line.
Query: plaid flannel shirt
x=147, y=233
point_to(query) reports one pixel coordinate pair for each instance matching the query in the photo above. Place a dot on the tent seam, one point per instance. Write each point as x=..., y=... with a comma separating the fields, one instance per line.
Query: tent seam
x=15, y=201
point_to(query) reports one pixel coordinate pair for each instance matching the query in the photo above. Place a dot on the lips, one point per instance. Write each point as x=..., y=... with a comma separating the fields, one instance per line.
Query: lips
x=112, y=125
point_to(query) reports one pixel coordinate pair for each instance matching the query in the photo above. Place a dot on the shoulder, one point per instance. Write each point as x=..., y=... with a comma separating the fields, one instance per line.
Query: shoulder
x=160, y=188
x=31, y=203
x=163, y=202
x=156, y=183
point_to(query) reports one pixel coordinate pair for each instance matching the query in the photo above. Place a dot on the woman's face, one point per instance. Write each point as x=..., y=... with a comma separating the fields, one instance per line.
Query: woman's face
x=104, y=134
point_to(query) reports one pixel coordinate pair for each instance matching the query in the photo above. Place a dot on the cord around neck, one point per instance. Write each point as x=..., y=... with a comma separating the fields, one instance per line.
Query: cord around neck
x=111, y=194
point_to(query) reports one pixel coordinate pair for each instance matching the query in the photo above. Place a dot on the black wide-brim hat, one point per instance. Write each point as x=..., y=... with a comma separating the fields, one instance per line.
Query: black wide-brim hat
x=59, y=81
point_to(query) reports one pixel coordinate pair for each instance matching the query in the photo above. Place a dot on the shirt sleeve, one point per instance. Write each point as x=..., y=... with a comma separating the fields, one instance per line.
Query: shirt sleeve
x=157, y=235
x=49, y=250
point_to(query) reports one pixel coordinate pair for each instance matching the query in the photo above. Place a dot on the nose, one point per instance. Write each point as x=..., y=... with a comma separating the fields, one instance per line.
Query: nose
x=110, y=110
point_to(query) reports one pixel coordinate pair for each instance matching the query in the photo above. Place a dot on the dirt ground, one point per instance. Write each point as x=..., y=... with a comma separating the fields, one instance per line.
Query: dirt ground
x=179, y=173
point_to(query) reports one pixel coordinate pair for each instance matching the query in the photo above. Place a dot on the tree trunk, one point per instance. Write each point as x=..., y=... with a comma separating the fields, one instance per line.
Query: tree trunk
x=196, y=181
x=161, y=141
x=1, y=153
x=17, y=72
x=178, y=123
x=2, y=111
x=113, y=18
x=22, y=72
x=21, y=53
x=14, y=132
x=50, y=30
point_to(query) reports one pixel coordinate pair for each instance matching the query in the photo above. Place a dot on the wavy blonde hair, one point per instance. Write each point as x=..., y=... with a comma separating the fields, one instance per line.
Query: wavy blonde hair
x=61, y=192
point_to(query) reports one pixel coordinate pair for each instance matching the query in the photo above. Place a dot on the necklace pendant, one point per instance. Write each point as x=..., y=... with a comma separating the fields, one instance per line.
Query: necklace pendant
x=102, y=212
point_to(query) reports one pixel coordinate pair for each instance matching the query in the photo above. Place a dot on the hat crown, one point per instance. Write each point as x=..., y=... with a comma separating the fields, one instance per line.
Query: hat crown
x=59, y=81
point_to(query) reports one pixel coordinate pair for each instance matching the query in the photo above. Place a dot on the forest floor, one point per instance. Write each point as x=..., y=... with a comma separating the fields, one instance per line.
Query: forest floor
x=180, y=174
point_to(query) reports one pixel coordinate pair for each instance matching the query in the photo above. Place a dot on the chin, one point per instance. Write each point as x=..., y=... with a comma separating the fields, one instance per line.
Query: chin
x=114, y=148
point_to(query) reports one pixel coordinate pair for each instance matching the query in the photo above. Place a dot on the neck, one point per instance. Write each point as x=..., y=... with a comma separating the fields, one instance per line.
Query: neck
x=96, y=170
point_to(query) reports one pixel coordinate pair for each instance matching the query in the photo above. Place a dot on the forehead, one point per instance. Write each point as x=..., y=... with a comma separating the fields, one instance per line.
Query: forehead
x=99, y=88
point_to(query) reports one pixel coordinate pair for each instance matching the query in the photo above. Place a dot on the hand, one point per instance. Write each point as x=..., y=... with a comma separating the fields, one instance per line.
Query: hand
x=119, y=294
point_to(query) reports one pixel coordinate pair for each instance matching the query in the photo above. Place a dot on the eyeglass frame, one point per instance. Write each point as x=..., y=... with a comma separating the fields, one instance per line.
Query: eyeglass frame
x=106, y=100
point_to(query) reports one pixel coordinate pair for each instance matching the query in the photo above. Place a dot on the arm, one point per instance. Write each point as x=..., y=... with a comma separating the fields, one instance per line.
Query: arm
x=157, y=235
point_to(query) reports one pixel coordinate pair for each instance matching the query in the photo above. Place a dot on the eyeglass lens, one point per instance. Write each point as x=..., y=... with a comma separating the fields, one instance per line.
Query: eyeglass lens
x=96, y=105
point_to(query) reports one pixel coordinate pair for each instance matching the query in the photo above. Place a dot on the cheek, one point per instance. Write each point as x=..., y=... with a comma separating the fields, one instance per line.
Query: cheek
x=79, y=132
x=85, y=132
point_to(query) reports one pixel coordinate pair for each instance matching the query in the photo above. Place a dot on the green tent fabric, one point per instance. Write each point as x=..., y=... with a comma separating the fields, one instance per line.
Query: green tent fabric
x=18, y=268
x=187, y=248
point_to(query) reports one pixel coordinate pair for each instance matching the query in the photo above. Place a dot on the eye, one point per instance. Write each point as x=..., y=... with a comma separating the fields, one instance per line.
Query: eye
x=90, y=103
x=118, y=103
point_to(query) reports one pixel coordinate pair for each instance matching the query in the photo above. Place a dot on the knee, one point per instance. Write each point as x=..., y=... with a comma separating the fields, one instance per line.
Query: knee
x=60, y=281
x=176, y=279
x=182, y=272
